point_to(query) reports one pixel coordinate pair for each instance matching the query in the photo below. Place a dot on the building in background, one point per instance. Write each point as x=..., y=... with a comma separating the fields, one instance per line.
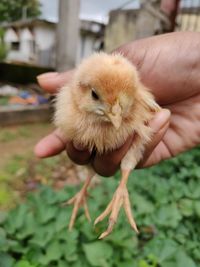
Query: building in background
x=151, y=18
x=31, y=41
x=34, y=41
x=188, y=18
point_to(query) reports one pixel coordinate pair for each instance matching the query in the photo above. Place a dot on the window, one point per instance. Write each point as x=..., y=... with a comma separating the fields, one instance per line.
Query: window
x=15, y=46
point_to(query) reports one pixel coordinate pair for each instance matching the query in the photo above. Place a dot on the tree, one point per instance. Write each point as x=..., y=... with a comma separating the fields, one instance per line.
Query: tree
x=13, y=10
x=3, y=48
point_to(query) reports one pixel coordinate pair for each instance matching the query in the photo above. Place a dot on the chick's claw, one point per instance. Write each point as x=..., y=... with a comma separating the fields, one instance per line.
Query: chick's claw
x=80, y=199
x=121, y=197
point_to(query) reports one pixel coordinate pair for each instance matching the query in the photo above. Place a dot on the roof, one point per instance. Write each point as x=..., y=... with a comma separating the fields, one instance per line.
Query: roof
x=25, y=22
x=190, y=10
x=86, y=25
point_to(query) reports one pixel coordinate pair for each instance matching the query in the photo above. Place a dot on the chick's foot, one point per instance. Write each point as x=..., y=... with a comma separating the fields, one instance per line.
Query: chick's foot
x=121, y=197
x=80, y=199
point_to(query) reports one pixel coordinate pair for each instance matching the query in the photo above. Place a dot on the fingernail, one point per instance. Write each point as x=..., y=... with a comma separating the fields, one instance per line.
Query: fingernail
x=79, y=147
x=160, y=120
x=48, y=75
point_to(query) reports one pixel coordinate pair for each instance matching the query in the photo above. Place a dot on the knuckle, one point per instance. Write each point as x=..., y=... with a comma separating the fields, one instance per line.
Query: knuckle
x=104, y=168
x=80, y=158
x=105, y=172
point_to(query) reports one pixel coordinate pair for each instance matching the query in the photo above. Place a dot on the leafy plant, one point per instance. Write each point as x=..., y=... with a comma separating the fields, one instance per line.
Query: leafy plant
x=166, y=201
x=13, y=10
x=3, y=48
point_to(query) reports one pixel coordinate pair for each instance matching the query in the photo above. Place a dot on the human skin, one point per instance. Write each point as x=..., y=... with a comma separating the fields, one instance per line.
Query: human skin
x=170, y=66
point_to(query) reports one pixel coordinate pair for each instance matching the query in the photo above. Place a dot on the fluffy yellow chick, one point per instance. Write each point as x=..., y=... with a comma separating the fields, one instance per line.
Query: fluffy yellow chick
x=105, y=104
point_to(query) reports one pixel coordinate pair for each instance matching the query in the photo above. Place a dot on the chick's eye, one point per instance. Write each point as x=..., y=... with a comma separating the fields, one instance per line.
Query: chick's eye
x=94, y=95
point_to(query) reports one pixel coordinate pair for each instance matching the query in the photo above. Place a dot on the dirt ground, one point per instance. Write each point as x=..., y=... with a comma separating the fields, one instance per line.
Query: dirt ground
x=20, y=140
x=21, y=171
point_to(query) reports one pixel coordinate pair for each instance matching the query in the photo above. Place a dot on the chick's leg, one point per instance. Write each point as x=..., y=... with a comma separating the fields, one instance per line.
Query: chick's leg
x=121, y=197
x=80, y=200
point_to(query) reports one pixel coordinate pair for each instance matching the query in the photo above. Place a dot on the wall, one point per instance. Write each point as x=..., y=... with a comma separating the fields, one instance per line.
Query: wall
x=120, y=29
x=188, y=22
x=88, y=43
x=45, y=39
x=127, y=25
x=24, y=37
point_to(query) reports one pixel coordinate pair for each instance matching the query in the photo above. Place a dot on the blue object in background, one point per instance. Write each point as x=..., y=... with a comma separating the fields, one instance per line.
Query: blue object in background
x=24, y=94
x=42, y=99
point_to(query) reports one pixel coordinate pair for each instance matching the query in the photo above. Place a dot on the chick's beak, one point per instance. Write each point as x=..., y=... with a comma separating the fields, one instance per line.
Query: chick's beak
x=115, y=115
x=116, y=120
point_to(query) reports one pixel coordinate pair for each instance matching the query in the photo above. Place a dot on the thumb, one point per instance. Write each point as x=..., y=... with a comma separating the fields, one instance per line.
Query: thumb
x=50, y=145
x=53, y=81
x=159, y=125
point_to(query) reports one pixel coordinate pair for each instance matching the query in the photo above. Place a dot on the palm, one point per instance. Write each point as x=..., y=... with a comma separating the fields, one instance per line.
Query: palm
x=183, y=132
x=174, y=86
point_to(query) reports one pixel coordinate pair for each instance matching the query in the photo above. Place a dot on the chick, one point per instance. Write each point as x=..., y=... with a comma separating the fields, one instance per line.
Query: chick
x=103, y=105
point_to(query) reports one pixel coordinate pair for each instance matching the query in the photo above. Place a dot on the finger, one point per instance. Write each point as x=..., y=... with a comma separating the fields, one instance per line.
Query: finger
x=160, y=153
x=50, y=145
x=52, y=81
x=159, y=125
x=107, y=164
x=78, y=154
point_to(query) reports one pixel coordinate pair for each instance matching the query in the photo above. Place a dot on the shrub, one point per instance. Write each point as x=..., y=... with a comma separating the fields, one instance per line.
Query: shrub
x=166, y=204
x=3, y=48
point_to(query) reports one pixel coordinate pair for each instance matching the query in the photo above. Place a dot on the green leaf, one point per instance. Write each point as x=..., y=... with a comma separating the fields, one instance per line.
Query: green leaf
x=167, y=250
x=62, y=263
x=98, y=252
x=197, y=207
x=3, y=240
x=3, y=216
x=28, y=228
x=42, y=236
x=183, y=259
x=34, y=254
x=171, y=263
x=53, y=251
x=46, y=213
x=18, y=216
x=69, y=251
x=24, y=263
x=17, y=247
x=143, y=206
x=192, y=190
x=168, y=215
x=6, y=260
x=80, y=263
x=62, y=220
x=48, y=195
x=186, y=207
x=163, y=249
x=126, y=263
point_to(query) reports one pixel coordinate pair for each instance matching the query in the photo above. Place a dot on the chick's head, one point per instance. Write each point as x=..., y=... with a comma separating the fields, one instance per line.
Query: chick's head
x=107, y=85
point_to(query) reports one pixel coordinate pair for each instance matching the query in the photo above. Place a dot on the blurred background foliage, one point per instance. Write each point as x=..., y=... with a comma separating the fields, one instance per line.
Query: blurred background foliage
x=165, y=201
x=12, y=10
x=3, y=48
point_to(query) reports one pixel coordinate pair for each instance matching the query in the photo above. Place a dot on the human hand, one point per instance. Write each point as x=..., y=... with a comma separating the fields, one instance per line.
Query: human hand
x=169, y=65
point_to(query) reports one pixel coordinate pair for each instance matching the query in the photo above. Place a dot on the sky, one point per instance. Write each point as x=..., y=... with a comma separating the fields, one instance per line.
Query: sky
x=89, y=9
x=95, y=9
